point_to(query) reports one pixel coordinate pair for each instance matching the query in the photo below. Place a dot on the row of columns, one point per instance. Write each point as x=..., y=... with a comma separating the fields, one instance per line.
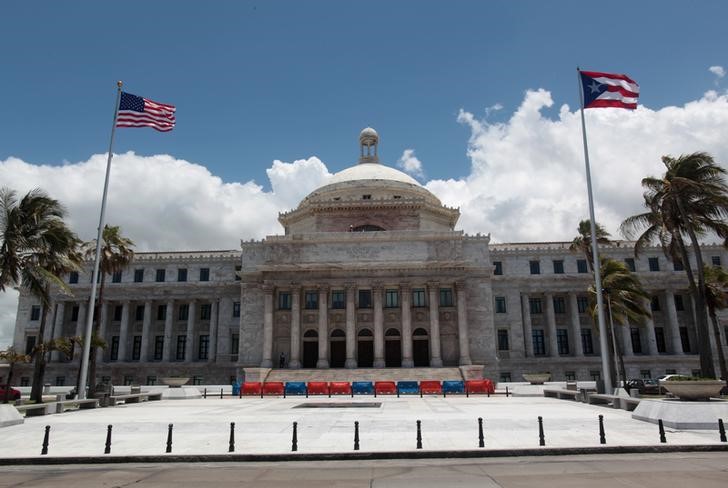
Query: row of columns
x=377, y=302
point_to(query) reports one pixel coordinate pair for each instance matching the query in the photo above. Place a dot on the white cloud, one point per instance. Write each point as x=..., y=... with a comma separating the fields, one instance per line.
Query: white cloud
x=718, y=71
x=410, y=164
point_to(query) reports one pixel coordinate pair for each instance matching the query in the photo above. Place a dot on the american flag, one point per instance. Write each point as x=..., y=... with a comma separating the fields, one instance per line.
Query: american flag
x=609, y=90
x=137, y=111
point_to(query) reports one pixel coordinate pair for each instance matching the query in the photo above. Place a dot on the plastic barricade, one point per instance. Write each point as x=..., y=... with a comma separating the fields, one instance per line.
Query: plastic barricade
x=362, y=388
x=340, y=388
x=317, y=388
x=453, y=387
x=295, y=388
x=385, y=388
x=252, y=388
x=273, y=388
x=430, y=387
x=483, y=387
x=408, y=388
x=236, y=388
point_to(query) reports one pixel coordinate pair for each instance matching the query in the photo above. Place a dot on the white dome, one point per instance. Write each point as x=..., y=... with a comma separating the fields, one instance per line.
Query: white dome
x=368, y=131
x=371, y=171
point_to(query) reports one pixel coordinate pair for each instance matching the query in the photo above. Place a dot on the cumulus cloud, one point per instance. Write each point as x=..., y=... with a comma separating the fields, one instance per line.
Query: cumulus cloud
x=410, y=164
x=718, y=71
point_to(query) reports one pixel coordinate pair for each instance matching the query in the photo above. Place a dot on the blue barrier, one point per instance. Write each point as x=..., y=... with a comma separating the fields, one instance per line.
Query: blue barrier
x=457, y=387
x=236, y=388
x=295, y=388
x=408, y=388
x=362, y=388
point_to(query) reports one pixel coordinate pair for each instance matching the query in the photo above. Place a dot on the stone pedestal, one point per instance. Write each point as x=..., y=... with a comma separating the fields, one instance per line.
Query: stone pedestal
x=9, y=416
x=678, y=414
x=181, y=393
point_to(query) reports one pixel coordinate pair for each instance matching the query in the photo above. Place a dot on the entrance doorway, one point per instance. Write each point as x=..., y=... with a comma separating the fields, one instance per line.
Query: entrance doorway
x=392, y=349
x=338, y=349
x=365, y=349
x=310, y=349
x=420, y=348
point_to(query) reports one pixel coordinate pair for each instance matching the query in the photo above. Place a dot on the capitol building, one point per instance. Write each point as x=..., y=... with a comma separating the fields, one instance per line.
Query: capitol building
x=368, y=272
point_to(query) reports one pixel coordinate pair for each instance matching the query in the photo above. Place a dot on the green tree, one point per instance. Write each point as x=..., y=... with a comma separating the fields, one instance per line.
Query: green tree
x=582, y=243
x=37, y=248
x=716, y=298
x=687, y=202
x=12, y=357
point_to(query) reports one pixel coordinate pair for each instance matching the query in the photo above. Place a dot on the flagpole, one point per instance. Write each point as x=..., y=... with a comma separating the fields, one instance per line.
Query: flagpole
x=95, y=276
x=603, y=344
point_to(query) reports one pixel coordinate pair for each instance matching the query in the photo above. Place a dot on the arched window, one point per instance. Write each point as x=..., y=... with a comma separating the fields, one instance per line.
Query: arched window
x=365, y=333
x=419, y=332
x=338, y=333
x=392, y=333
x=310, y=333
x=367, y=228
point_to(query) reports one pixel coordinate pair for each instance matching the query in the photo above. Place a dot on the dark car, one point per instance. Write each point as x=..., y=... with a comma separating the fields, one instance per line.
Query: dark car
x=13, y=394
x=645, y=387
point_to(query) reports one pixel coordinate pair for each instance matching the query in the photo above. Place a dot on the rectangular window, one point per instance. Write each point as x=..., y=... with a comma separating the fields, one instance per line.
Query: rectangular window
x=139, y=313
x=505, y=377
x=197, y=380
x=636, y=340
x=205, y=311
x=204, y=274
x=582, y=304
x=151, y=380
x=284, y=300
x=114, y=352
x=559, y=267
x=118, y=310
x=498, y=271
x=646, y=374
x=559, y=305
x=116, y=277
x=562, y=341
x=136, y=348
x=181, y=346
x=29, y=344
x=161, y=273
x=630, y=264
x=338, y=299
x=581, y=266
x=73, y=277
x=391, y=298
x=586, y=341
x=654, y=264
x=184, y=312
x=655, y=304
x=535, y=305
x=128, y=380
x=161, y=312
x=365, y=298
x=539, y=347
x=238, y=269
x=310, y=301
x=74, y=313
x=670, y=371
x=234, y=347
x=679, y=304
x=35, y=312
x=677, y=265
x=204, y=347
x=446, y=297
x=138, y=275
x=182, y=274
x=500, y=304
x=685, y=339
x=236, y=310
x=418, y=297
x=595, y=375
x=60, y=380
x=570, y=375
x=660, y=340
x=158, y=347
x=715, y=260
x=535, y=267
x=503, y=340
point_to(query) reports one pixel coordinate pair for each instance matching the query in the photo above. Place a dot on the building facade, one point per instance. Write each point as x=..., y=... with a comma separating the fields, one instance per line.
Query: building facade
x=368, y=273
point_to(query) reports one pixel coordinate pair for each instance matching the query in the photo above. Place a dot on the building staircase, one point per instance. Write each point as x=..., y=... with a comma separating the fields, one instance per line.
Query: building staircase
x=365, y=374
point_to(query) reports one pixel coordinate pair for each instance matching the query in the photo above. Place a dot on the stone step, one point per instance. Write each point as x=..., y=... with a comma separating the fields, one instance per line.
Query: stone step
x=365, y=374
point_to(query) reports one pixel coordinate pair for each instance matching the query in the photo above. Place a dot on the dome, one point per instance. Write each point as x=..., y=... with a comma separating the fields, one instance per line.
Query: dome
x=371, y=171
x=368, y=132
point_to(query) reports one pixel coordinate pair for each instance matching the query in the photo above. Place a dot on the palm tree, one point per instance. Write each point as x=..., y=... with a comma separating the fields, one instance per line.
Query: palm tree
x=625, y=298
x=716, y=298
x=688, y=201
x=12, y=357
x=116, y=254
x=36, y=250
x=582, y=243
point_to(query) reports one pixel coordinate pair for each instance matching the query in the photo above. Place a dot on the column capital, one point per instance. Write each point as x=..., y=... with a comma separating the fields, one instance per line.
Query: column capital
x=323, y=288
x=406, y=286
x=433, y=285
x=350, y=286
x=377, y=286
x=460, y=285
x=296, y=287
x=268, y=288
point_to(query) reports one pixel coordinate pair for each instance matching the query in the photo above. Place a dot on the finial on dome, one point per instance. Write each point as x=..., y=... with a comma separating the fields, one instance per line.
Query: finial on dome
x=368, y=138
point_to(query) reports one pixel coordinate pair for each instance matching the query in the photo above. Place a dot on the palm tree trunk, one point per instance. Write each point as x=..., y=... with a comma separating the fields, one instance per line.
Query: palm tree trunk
x=719, y=346
x=95, y=333
x=620, y=357
x=7, y=383
x=36, y=391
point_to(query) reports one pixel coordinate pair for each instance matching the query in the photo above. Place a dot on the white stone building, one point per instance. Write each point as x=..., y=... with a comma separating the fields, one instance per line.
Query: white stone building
x=369, y=273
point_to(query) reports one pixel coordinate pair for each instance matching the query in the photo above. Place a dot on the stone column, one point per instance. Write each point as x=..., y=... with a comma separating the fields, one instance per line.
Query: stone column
x=377, y=290
x=350, y=327
x=463, y=325
x=103, y=319
x=575, y=325
x=673, y=323
x=58, y=327
x=528, y=328
x=190, y=340
x=323, y=328
x=406, y=291
x=214, y=328
x=146, y=331
x=168, y=350
x=551, y=324
x=81, y=322
x=650, y=332
x=626, y=332
x=123, y=330
x=267, y=361
x=435, y=349
x=295, y=361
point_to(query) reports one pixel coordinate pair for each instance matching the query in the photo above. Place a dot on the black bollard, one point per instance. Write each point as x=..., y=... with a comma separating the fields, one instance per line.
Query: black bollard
x=294, y=442
x=721, y=430
x=220, y=393
x=107, y=447
x=356, y=435
x=169, y=438
x=306, y=391
x=506, y=392
x=231, y=447
x=663, y=439
x=419, y=435
x=204, y=394
x=420, y=392
x=240, y=392
x=481, y=437
x=602, y=437
x=44, y=450
x=541, y=438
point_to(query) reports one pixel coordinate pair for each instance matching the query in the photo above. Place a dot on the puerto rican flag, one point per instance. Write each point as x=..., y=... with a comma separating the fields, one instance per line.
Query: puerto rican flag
x=609, y=90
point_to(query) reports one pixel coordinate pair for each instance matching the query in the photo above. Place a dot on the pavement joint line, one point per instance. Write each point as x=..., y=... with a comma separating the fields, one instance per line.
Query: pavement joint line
x=359, y=455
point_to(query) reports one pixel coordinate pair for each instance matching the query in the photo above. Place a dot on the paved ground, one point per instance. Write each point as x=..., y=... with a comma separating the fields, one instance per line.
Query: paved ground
x=595, y=471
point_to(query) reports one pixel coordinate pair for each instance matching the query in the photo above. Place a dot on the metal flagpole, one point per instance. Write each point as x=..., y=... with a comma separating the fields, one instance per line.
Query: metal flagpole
x=603, y=344
x=97, y=259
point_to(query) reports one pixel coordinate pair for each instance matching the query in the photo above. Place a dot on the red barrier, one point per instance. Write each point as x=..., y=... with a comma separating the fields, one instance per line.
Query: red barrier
x=340, y=388
x=317, y=388
x=385, y=388
x=273, y=388
x=430, y=387
x=479, y=386
x=251, y=388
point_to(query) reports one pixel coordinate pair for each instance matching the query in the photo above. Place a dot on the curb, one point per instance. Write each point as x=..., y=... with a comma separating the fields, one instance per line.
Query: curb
x=360, y=456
